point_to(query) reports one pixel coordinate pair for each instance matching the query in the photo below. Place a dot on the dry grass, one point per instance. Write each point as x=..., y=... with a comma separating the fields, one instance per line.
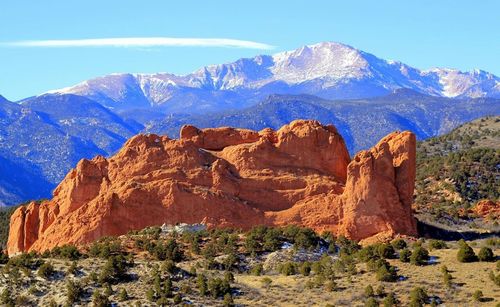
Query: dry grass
x=293, y=290
x=467, y=278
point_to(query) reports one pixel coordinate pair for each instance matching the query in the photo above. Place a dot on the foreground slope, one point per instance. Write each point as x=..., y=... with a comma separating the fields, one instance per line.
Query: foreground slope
x=300, y=174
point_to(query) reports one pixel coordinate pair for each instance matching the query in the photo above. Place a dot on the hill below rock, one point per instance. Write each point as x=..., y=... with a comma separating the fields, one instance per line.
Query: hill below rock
x=300, y=174
x=458, y=170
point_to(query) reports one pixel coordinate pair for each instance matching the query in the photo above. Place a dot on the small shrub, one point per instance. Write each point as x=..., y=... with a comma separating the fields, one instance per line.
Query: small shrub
x=374, y=265
x=177, y=299
x=404, y=255
x=25, y=261
x=390, y=300
x=330, y=286
x=257, y=270
x=387, y=273
x=419, y=256
x=371, y=302
x=67, y=252
x=99, y=299
x=6, y=297
x=22, y=300
x=477, y=296
x=151, y=295
x=105, y=248
x=306, y=238
x=168, y=250
x=46, y=270
x=229, y=277
x=33, y=290
x=305, y=268
x=437, y=244
x=4, y=258
x=228, y=300
x=123, y=295
x=162, y=301
x=444, y=269
x=369, y=291
x=368, y=253
x=398, y=244
x=272, y=241
x=447, y=279
x=466, y=253
x=380, y=290
x=495, y=278
x=385, y=251
x=201, y=282
x=288, y=268
x=218, y=287
x=108, y=290
x=418, y=297
x=168, y=266
x=73, y=292
x=114, y=270
x=73, y=268
x=167, y=287
x=486, y=254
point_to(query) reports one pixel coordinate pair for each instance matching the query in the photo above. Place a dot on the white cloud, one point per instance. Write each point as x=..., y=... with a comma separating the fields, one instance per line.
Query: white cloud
x=142, y=42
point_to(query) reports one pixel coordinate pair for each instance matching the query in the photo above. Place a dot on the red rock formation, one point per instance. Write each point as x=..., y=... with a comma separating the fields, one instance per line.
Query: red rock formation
x=487, y=209
x=300, y=174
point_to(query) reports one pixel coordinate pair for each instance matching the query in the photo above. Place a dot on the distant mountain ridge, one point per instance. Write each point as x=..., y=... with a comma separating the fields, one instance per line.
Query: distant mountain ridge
x=42, y=139
x=328, y=70
x=360, y=121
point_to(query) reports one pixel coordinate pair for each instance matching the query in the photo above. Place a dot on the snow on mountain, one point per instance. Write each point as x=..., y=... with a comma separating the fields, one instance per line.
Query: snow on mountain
x=474, y=84
x=329, y=70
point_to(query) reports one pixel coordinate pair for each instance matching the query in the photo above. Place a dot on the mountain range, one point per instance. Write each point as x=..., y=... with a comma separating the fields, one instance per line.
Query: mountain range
x=327, y=70
x=42, y=137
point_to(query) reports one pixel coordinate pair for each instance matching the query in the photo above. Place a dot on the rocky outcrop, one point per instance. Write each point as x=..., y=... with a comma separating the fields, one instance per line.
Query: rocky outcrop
x=487, y=209
x=299, y=174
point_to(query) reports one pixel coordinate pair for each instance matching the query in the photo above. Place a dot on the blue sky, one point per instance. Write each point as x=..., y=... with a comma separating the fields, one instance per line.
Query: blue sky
x=424, y=34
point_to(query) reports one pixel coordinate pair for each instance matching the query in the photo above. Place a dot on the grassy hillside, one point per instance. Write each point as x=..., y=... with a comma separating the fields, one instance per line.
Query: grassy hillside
x=457, y=169
x=288, y=266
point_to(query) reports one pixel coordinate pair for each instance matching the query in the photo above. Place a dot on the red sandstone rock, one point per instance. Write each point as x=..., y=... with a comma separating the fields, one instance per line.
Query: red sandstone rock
x=300, y=174
x=487, y=208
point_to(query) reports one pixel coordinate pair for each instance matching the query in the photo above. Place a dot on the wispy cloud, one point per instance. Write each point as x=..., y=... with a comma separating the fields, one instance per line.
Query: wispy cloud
x=141, y=42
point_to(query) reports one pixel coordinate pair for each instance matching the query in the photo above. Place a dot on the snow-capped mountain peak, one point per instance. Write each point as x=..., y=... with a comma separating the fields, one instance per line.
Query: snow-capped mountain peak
x=330, y=70
x=324, y=60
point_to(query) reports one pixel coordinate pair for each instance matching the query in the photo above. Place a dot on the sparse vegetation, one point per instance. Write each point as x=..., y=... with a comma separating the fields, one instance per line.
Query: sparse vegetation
x=465, y=253
x=46, y=270
x=418, y=297
x=419, y=256
x=336, y=269
x=455, y=171
x=485, y=254
x=477, y=296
